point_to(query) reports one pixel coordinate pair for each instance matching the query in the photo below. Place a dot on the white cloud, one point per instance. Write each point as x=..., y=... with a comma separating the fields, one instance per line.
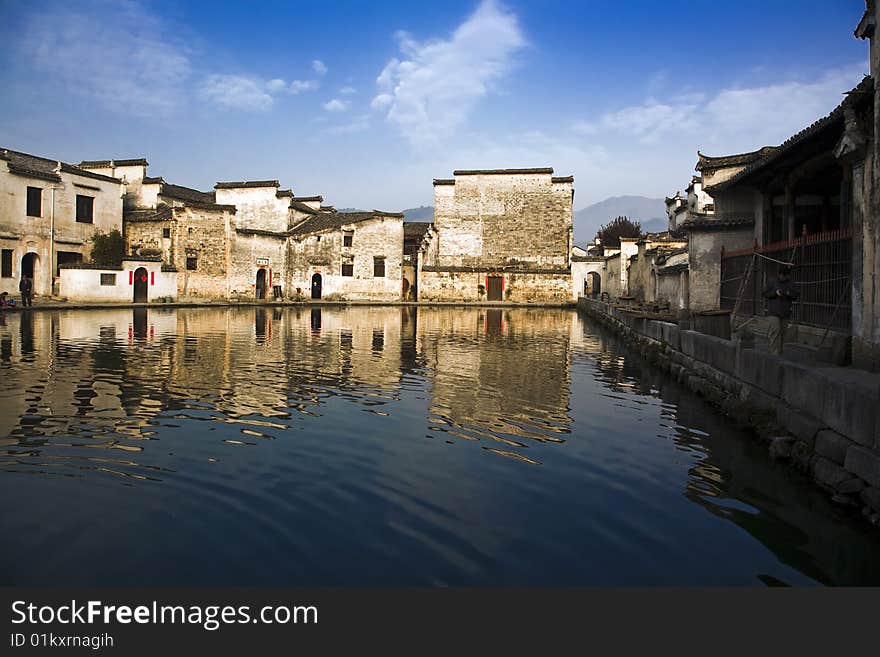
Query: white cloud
x=299, y=86
x=237, y=92
x=347, y=90
x=114, y=52
x=381, y=101
x=429, y=93
x=319, y=67
x=276, y=85
x=336, y=105
x=738, y=118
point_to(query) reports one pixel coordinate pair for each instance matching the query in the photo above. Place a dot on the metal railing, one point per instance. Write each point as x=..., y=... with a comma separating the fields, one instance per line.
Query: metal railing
x=822, y=270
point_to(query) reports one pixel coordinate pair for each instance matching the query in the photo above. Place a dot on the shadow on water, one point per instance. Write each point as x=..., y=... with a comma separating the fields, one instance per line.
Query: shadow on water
x=384, y=446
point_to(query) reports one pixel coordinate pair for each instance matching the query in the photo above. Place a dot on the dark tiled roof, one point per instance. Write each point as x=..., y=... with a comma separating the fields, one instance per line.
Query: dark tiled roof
x=444, y=181
x=328, y=208
x=284, y=193
x=331, y=220
x=260, y=231
x=215, y=207
x=415, y=229
x=44, y=168
x=103, y=164
x=152, y=181
x=860, y=91
x=484, y=172
x=247, y=183
x=707, y=162
x=186, y=194
x=318, y=198
x=516, y=269
x=562, y=179
x=720, y=223
x=161, y=213
x=302, y=207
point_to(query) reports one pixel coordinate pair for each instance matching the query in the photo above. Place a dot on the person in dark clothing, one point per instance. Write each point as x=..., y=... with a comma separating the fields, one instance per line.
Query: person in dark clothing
x=26, y=287
x=780, y=294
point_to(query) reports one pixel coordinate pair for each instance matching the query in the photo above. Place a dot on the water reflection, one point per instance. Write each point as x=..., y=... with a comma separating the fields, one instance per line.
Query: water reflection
x=478, y=443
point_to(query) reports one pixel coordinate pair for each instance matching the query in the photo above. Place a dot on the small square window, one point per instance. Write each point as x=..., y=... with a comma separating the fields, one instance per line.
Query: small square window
x=348, y=269
x=379, y=267
x=108, y=279
x=85, y=209
x=7, y=264
x=347, y=238
x=318, y=238
x=166, y=232
x=190, y=230
x=34, y=202
x=191, y=263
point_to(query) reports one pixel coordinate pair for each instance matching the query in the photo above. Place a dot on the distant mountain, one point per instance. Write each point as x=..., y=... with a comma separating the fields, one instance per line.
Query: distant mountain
x=651, y=212
x=421, y=213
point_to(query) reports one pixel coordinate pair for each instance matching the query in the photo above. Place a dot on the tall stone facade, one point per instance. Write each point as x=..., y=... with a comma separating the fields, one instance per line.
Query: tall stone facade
x=500, y=235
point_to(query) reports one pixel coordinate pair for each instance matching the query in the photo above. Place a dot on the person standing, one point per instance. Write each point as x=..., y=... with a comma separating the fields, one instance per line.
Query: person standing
x=26, y=287
x=780, y=293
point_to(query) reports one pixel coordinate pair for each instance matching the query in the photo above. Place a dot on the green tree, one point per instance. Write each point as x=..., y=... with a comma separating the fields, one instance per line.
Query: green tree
x=611, y=232
x=108, y=249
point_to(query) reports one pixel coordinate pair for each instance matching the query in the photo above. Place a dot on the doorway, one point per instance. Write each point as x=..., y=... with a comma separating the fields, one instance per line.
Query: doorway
x=140, y=285
x=261, y=283
x=316, y=286
x=30, y=267
x=493, y=288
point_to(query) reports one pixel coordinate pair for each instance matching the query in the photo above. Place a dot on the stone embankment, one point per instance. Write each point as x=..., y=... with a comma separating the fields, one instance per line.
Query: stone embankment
x=822, y=420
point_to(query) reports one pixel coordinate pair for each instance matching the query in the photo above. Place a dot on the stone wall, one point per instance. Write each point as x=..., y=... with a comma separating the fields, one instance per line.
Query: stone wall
x=204, y=234
x=470, y=286
x=323, y=253
x=823, y=419
x=704, y=256
x=257, y=207
x=502, y=219
x=251, y=253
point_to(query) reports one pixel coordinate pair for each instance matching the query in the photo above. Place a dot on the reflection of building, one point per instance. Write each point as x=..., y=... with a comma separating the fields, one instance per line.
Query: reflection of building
x=49, y=212
x=500, y=235
x=499, y=376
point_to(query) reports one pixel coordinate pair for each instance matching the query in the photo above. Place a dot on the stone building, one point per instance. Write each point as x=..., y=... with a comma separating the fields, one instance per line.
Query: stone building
x=49, y=213
x=415, y=234
x=347, y=255
x=499, y=235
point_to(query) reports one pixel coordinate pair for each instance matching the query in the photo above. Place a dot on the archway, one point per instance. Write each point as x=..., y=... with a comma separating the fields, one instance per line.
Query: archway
x=593, y=284
x=405, y=288
x=261, y=283
x=316, y=286
x=140, y=285
x=30, y=268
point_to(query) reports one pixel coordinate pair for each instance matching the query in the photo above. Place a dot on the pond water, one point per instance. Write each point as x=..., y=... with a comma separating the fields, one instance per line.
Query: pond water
x=383, y=447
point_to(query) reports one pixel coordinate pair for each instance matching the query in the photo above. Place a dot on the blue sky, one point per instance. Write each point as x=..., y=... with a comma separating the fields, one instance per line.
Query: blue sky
x=366, y=102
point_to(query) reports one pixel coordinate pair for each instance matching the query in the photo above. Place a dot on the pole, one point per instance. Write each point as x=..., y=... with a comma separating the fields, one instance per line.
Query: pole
x=52, y=245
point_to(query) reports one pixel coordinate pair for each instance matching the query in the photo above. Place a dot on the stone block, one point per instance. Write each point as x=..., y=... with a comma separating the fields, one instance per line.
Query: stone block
x=851, y=411
x=654, y=330
x=871, y=497
x=781, y=446
x=832, y=445
x=670, y=333
x=865, y=463
x=798, y=423
x=801, y=454
x=828, y=473
x=687, y=342
x=851, y=486
x=802, y=387
x=760, y=369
